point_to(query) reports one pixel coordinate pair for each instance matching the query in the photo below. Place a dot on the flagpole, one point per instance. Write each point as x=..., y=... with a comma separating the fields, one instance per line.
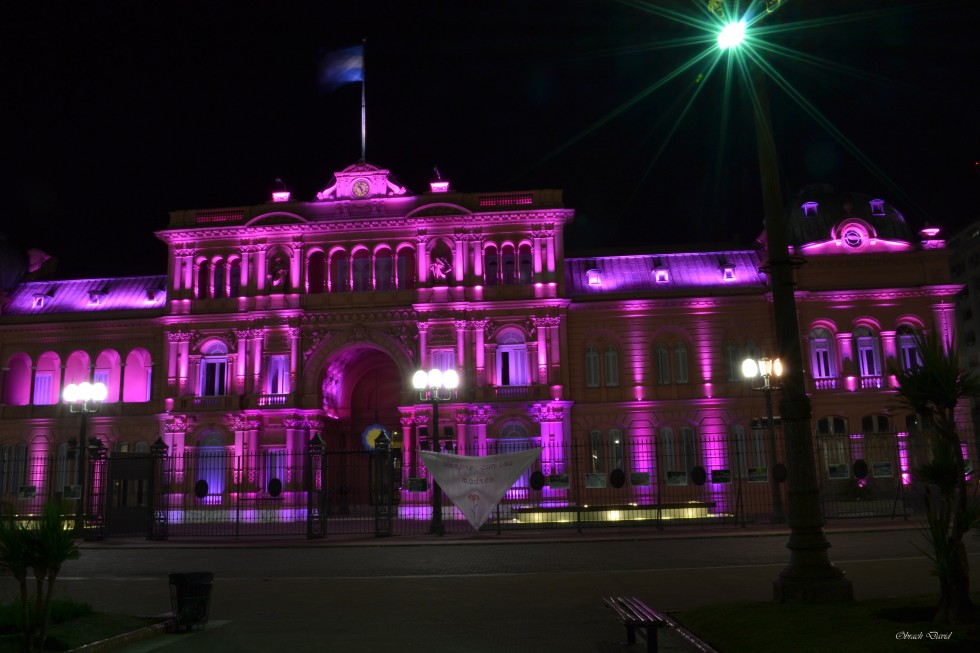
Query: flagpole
x=363, y=110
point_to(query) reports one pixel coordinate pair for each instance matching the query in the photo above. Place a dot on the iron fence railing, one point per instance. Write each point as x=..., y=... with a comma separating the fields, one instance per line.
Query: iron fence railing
x=322, y=492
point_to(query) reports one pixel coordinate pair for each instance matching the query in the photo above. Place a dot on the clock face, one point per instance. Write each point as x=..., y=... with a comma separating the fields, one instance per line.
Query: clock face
x=360, y=188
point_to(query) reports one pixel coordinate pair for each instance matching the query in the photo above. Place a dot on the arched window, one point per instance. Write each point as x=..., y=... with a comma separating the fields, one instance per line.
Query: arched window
x=47, y=375
x=868, y=352
x=908, y=349
x=663, y=364
x=362, y=270
x=138, y=376
x=511, y=358
x=214, y=369
x=220, y=279
x=591, y=367
x=680, y=363
x=509, y=262
x=611, y=357
x=525, y=263
x=383, y=270
x=108, y=371
x=491, y=265
x=316, y=267
x=405, y=270
x=235, y=277
x=339, y=272
x=203, y=280
x=822, y=357
x=17, y=381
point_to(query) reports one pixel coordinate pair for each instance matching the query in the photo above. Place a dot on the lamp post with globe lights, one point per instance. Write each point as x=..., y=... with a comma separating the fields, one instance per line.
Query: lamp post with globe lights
x=83, y=399
x=809, y=576
x=436, y=386
x=769, y=370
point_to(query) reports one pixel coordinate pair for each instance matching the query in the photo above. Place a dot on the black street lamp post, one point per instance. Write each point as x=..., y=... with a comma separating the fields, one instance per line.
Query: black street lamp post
x=83, y=399
x=768, y=370
x=809, y=576
x=434, y=387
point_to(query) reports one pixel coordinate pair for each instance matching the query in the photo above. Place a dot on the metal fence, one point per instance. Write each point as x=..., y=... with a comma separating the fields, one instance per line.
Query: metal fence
x=320, y=492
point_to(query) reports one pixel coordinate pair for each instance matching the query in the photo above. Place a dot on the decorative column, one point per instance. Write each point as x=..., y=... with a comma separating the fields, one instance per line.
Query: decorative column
x=423, y=344
x=295, y=335
x=459, y=257
x=944, y=321
x=551, y=417
x=174, y=436
x=422, y=260
x=295, y=267
x=536, y=253
x=183, y=362
x=541, y=328
x=550, y=244
x=257, y=337
x=479, y=354
x=238, y=424
x=260, y=267
x=477, y=245
x=242, y=336
x=244, y=278
x=461, y=328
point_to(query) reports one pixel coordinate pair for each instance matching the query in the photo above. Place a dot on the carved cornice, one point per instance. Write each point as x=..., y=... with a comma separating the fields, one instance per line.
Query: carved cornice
x=178, y=424
x=243, y=423
x=547, y=413
x=305, y=423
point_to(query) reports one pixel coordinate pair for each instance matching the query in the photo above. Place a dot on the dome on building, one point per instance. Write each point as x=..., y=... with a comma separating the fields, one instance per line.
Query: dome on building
x=817, y=212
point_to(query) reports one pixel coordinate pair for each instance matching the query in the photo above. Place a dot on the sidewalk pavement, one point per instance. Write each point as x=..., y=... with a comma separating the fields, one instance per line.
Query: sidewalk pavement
x=457, y=607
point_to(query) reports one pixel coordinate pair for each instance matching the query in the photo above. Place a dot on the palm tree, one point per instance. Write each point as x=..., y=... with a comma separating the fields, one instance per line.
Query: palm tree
x=932, y=389
x=41, y=547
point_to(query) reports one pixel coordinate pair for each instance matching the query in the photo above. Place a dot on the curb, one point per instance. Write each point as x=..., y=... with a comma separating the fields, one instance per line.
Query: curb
x=124, y=639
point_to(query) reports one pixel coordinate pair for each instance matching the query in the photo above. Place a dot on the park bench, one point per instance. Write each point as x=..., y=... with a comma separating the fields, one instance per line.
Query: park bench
x=635, y=614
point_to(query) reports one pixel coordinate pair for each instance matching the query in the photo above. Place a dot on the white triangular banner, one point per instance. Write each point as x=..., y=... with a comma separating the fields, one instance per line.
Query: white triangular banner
x=476, y=483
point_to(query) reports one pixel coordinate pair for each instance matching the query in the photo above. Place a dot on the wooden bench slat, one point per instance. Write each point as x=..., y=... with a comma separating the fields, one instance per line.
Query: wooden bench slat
x=634, y=614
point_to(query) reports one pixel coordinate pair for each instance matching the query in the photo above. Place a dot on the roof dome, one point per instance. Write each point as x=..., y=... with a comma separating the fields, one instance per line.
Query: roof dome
x=815, y=213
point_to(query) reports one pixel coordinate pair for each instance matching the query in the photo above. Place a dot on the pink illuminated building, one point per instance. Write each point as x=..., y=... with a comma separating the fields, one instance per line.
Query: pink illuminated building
x=280, y=322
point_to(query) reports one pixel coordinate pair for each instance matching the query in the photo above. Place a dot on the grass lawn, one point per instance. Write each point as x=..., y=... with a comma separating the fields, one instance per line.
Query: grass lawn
x=874, y=626
x=72, y=625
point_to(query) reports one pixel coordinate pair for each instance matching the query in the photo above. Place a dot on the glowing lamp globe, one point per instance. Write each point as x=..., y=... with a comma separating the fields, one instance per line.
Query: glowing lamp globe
x=435, y=378
x=750, y=368
x=420, y=380
x=731, y=35
x=450, y=379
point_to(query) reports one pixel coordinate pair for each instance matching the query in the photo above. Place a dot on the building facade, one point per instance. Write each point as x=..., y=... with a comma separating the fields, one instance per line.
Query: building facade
x=291, y=321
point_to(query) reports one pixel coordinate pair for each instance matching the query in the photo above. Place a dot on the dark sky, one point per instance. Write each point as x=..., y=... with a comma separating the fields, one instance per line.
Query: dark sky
x=123, y=111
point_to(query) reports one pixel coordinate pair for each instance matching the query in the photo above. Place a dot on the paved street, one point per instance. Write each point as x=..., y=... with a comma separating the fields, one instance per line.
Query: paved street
x=475, y=594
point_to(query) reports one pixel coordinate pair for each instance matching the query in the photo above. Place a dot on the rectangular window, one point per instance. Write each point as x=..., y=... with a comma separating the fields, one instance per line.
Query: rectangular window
x=821, y=361
x=689, y=449
x=616, y=449
x=680, y=364
x=101, y=376
x=42, y=389
x=279, y=375
x=663, y=365
x=591, y=367
x=597, y=460
x=612, y=367
x=213, y=378
x=443, y=359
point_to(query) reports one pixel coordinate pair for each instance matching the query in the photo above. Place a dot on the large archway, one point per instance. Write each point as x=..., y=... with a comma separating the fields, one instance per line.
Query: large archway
x=361, y=386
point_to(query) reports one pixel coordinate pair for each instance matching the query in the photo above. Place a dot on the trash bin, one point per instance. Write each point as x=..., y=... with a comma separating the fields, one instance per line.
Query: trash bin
x=190, y=597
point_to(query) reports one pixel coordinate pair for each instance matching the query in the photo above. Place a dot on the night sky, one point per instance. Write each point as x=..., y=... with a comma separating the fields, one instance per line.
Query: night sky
x=123, y=111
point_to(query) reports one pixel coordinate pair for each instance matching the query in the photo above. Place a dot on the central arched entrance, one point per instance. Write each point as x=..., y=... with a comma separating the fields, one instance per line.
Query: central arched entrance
x=361, y=388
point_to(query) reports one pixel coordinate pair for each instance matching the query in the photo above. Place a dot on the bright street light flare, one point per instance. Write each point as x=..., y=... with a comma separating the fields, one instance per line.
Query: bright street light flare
x=732, y=35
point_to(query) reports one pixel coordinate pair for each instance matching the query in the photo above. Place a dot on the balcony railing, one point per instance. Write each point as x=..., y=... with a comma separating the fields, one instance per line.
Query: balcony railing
x=272, y=400
x=826, y=384
x=871, y=383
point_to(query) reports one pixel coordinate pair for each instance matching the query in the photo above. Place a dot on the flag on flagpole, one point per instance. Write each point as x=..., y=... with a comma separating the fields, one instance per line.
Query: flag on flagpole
x=342, y=67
